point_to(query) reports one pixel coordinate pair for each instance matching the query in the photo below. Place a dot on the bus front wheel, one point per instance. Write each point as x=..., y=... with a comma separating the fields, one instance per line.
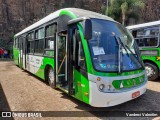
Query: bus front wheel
x=152, y=71
x=50, y=77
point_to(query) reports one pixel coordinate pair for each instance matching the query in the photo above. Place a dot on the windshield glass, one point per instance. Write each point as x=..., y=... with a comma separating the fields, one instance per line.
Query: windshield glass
x=105, y=48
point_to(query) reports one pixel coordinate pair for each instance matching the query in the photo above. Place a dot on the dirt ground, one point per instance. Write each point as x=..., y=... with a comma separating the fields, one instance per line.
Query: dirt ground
x=21, y=91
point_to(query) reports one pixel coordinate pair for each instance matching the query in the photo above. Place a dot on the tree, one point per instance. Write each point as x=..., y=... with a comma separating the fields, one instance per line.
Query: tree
x=122, y=10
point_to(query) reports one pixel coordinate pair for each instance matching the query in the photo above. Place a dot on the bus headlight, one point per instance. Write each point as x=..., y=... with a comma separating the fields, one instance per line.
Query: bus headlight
x=101, y=86
x=106, y=88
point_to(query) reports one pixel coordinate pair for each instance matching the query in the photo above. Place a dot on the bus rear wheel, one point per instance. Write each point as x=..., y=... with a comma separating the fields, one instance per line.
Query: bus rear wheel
x=152, y=71
x=50, y=77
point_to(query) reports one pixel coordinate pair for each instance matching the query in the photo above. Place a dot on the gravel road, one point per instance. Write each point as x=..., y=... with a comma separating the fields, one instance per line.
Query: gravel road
x=21, y=91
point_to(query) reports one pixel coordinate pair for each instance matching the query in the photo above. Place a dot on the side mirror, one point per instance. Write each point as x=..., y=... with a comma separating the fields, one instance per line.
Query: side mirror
x=87, y=29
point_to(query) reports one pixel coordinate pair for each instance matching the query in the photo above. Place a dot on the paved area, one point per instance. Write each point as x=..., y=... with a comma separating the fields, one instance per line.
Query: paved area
x=21, y=91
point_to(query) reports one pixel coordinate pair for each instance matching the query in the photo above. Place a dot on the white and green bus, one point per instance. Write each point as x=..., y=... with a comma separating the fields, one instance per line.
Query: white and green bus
x=89, y=56
x=147, y=37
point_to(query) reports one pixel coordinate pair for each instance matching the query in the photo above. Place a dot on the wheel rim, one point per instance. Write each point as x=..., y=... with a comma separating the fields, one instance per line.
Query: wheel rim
x=51, y=76
x=150, y=71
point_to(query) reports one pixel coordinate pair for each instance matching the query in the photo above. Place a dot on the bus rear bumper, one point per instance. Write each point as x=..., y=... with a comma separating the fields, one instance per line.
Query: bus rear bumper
x=101, y=99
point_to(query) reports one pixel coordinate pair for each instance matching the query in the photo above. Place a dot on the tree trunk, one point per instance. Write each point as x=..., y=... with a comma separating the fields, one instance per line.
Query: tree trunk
x=123, y=19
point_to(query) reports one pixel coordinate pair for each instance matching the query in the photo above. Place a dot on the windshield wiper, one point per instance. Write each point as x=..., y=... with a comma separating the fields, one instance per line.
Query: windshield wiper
x=123, y=46
x=126, y=47
x=119, y=55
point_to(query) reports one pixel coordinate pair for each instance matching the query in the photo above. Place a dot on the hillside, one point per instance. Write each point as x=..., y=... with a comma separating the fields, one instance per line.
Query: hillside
x=15, y=15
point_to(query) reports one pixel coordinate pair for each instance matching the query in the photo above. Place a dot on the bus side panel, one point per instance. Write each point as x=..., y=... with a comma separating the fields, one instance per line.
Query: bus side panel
x=16, y=55
x=30, y=63
x=20, y=59
x=82, y=87
x=153, y=59
x=41, y=69
x=24, y=59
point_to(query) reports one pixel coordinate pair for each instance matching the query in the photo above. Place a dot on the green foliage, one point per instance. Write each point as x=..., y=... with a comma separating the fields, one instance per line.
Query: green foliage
x=5, y=45
x=122, y=10
x=124, y=7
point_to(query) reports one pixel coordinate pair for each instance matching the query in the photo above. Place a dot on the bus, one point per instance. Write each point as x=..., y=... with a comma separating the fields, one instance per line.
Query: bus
x=147, y=37
x=87, y=55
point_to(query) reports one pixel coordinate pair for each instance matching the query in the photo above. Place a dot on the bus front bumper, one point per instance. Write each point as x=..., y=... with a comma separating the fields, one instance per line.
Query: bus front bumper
x=101, y=99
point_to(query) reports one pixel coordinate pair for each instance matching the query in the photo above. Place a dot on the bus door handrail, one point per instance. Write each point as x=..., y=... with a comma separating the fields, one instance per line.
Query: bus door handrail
x=61, y=64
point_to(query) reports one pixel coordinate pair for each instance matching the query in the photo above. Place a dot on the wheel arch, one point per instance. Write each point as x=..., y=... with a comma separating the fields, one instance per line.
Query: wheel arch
x=152, y=62
x=46, y=70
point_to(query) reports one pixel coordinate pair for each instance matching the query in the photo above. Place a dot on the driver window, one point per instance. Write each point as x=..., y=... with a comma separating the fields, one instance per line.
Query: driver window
x=78, y=52
x=81, y=57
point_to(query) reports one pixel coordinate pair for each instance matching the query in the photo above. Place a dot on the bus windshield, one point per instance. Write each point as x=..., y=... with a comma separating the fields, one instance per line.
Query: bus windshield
x=112, y=47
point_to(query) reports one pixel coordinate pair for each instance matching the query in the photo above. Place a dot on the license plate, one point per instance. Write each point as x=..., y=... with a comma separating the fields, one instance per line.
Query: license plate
x=135, y=94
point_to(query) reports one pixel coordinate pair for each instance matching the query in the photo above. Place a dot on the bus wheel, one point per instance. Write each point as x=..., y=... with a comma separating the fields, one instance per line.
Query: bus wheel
x=152, y=71
x=50, y=77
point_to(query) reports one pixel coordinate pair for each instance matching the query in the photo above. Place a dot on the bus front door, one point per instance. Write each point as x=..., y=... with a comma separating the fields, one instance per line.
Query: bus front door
x=61, y=62
x=21, y=52
x=24, y=52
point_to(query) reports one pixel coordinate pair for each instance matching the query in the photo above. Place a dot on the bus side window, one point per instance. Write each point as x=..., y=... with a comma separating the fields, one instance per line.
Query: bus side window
x=30, y=43
x=75, y=48
x=134, y=33
x=39, y=41
x=140, y=42
x=15, y=43
x=151, y=41
x=50, y=39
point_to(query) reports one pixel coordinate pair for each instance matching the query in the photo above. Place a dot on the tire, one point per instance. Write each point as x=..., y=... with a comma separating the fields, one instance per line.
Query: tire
x=152, y=71
x=50, y=77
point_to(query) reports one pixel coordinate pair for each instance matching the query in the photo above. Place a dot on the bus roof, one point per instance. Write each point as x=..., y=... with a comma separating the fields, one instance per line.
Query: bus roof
x=144, y=25
x=78, y=12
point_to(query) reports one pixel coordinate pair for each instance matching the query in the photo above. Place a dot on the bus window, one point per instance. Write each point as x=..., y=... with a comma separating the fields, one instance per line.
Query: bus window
x=151, y=41
x=78, y=52
x=39, y=41
x=18, y=43
x=140, y=42
x=15, y=43
x=151, y=31
x=81, y=57
x=146, y=37
x=30, y=45
x=140, y=33
x=134, y=33
x=50, y=39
